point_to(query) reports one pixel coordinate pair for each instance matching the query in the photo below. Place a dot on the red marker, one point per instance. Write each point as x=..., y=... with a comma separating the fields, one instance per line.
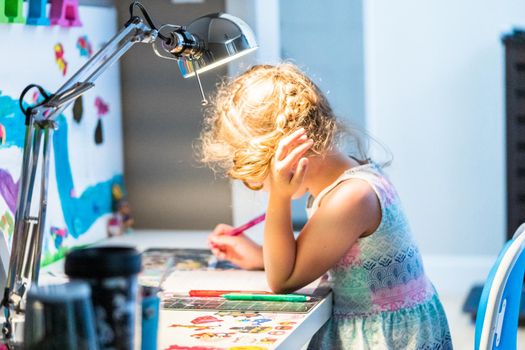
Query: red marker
x=196, y=293
x=238, y=230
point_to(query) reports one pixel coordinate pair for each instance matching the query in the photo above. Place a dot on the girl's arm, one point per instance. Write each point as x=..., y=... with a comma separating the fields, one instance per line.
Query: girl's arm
x=347, y=212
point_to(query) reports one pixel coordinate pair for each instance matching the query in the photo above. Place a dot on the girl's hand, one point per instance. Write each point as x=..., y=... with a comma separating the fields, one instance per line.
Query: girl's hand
x=240, y=250
x=289, y=166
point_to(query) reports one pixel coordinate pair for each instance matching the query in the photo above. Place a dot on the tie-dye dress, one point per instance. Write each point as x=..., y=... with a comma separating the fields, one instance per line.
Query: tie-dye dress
x=382, y=297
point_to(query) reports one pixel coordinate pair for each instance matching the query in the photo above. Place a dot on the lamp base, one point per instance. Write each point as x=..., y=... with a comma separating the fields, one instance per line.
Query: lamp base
x=17, y=325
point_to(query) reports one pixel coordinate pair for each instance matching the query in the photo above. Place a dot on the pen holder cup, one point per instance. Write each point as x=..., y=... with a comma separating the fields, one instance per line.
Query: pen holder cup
x=60, y=317
x=111, y=271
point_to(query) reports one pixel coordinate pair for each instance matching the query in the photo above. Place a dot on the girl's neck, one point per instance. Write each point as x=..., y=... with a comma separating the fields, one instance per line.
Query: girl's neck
x=325, y=169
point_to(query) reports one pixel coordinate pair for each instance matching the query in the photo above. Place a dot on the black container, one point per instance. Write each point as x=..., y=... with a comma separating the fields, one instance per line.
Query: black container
x=60, y=317
x=112, y=274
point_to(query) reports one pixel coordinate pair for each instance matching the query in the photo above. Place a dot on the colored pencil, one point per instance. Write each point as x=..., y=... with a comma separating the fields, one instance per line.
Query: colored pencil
x=238, y=230
x=268, y=297
x=219, y=293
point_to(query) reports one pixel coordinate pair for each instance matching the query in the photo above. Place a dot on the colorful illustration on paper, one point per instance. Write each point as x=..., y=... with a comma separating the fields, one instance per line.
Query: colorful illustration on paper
x=59, y=58
x=234, y=331
x=81, y=174
x=84, y=46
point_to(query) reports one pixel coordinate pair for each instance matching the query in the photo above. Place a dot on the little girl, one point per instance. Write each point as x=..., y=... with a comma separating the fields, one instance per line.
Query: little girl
x=273, y=129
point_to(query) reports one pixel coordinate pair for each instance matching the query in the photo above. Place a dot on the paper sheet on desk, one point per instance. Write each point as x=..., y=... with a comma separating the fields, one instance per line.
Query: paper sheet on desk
x=181, y=282
x=225, y=330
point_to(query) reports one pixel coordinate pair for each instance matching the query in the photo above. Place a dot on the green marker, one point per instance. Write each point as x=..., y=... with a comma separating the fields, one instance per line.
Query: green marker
x=267, y=297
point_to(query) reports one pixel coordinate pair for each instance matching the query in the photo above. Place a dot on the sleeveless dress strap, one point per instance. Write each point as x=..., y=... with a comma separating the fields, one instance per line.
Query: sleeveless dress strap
x=313, y=203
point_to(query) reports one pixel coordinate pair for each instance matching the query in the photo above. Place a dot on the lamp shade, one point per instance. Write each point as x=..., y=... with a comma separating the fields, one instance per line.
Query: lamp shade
x=223, y=37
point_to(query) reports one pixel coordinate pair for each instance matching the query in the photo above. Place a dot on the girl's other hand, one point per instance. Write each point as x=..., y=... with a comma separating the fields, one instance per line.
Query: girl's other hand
x=240, y=250
x=289, y=164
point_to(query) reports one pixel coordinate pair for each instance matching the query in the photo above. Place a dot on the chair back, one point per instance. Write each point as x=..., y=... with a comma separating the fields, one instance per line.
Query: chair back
x=499, y=305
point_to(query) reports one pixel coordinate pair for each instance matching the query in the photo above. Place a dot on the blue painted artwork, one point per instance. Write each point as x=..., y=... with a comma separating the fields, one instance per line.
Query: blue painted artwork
x=79, y=211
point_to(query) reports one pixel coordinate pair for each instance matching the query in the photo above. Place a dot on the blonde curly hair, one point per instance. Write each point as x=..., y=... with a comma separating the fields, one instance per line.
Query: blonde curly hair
x=251, y=114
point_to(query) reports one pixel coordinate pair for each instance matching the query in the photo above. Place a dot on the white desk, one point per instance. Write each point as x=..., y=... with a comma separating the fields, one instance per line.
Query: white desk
x=305, y=324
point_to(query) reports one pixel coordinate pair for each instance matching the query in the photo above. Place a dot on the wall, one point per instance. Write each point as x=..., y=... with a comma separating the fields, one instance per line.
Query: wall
x=168, y=188
x=327, y=42
x=434, y=95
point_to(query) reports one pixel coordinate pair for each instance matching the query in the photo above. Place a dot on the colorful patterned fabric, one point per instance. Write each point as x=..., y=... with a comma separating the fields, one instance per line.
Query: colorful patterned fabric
x=382, y=297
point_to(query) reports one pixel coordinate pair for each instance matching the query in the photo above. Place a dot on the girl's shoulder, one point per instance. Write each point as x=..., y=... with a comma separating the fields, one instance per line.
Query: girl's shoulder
x=350, y=194
x=349, y=190
x=367, y=180
x=370, y=172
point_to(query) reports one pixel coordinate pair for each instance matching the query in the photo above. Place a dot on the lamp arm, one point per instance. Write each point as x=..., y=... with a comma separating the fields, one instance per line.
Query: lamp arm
x=24, y=261
x=135, y=31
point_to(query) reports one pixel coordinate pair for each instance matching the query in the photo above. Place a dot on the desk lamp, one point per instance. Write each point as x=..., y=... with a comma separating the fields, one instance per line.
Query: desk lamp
x=207, y=42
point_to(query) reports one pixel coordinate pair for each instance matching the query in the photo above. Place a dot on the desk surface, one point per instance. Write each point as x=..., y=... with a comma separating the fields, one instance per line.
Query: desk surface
x=182, y=329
